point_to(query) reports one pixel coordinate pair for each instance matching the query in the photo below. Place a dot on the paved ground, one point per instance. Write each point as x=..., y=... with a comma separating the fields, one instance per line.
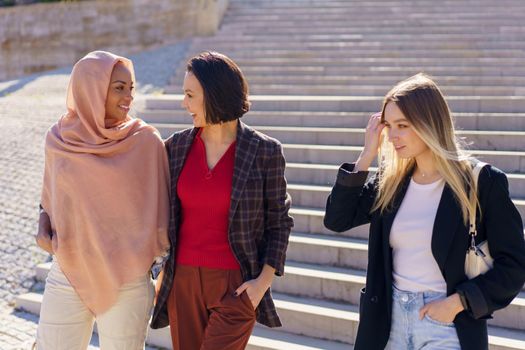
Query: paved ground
x=28, y=107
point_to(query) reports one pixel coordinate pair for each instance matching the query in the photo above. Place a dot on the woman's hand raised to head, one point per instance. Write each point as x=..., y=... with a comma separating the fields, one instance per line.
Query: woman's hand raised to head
x=372, y=142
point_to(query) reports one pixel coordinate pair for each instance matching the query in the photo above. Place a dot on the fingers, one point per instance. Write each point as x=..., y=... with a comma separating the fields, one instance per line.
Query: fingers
x=241, y=289
x=374, y=123
x=374, y=120
x=423, y=311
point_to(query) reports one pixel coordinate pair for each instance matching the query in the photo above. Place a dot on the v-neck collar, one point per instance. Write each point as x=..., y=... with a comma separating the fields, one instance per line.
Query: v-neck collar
x=202, y=145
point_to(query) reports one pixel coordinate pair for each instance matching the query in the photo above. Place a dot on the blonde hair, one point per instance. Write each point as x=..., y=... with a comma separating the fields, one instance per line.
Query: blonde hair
x=425, y=108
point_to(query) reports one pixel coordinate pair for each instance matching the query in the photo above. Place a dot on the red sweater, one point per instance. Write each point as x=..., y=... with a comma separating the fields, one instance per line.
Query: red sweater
x=205, y=203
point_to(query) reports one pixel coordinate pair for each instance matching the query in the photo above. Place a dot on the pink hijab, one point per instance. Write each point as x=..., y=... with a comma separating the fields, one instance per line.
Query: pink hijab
x=105, y=189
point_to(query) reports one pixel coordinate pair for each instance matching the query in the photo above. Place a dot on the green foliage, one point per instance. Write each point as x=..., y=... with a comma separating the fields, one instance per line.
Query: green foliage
x=7, y=3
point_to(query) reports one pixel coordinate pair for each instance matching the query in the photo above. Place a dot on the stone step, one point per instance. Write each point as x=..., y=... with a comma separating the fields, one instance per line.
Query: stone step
x=484, y=140
x=262, y=338
x=314, y=196
x=296, y=313
x=329, y=3
x=384, y=81
x=199, y=45
x=320, y=176
x=321, y=282
x=340, y=62
x=373, y=52
x=361, y=25
x=360, y=29
x=343, y=285
x=382, y=70
x=321, y=318
x=507, y=161
x=474, y=121
x=327, y=89
x=339, y=321
x=470, y=104
x=410, y=14
x=263, y=36
x=310, y=220
x=368, y=8
x=328, y=250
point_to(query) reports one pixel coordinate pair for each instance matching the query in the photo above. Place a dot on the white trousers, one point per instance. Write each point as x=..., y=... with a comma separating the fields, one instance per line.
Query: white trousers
x=66, y=324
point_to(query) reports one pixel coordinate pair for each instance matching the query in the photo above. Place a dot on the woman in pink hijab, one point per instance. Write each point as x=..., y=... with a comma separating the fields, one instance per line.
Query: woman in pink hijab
x=105, y=197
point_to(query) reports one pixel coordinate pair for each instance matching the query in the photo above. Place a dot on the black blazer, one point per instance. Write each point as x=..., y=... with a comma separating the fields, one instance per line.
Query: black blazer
x=349, y=205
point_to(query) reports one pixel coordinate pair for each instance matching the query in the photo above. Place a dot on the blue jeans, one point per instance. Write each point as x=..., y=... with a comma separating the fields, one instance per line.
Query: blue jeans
x=409, y=333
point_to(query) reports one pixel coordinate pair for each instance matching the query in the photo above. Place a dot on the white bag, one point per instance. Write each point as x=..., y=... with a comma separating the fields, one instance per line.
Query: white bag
x=478, y=259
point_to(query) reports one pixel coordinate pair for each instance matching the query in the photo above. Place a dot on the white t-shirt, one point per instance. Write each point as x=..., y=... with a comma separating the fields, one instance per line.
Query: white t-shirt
x=414, y=266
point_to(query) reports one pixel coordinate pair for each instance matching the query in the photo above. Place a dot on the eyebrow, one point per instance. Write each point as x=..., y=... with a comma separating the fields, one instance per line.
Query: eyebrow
x=120, y=81
x=188, y=90
x=397, y=120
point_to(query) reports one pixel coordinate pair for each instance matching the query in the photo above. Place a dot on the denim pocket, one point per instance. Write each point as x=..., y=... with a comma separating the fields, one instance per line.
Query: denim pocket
x=438, y=323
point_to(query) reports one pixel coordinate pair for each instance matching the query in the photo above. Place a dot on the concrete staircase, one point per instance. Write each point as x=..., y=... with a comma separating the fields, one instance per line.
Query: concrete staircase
x=317, y=70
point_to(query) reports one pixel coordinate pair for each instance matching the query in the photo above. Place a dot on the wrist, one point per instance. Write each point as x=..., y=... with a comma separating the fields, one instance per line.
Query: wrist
x=363, y=162
x=457, y=303
x=463, y=300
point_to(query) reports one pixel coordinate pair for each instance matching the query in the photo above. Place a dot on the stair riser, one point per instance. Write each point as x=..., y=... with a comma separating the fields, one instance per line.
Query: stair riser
x=363, y=104
x=349, y=90
x=512, y=316
x=378, y=80
x=314, y=224
x=358, y=81
x=317, y=199
x=356, y=138
x=326, y=30
x=343, y=46
x=329, y=256
x=326, y=177
x=511, y=163
x=510, y=122
x=318, y=326
x=294, y=322
x=353, y=62
x=377, y=71
x=313, y=287
x=372, y=53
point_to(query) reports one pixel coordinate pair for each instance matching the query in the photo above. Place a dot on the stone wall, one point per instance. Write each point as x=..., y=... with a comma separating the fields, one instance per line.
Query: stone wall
x=45, y=36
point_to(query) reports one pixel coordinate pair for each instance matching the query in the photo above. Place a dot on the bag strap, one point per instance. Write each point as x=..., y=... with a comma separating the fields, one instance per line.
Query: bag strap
x=472, y=220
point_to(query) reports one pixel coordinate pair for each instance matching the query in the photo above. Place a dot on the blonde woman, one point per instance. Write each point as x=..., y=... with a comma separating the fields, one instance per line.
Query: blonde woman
x=104, y=212
x=417, y=295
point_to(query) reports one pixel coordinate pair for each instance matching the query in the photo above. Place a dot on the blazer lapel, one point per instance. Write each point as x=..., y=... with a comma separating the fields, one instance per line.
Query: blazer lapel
x=388, y=220
x=245, y=151
x=448, y=217
x=180, y=150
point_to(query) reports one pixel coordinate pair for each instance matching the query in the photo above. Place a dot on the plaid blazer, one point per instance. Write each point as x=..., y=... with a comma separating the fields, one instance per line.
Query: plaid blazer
x=259, y=224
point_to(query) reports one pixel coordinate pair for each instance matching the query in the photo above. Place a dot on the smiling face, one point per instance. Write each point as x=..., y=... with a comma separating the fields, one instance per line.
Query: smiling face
x=193, y=100
x=401, y=133
x=119, y=96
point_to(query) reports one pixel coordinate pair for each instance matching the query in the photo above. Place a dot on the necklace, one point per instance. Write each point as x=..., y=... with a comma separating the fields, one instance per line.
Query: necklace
x=426, y=177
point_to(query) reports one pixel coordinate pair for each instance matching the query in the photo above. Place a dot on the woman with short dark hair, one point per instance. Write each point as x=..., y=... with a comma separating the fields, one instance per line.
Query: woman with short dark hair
x=229, y=223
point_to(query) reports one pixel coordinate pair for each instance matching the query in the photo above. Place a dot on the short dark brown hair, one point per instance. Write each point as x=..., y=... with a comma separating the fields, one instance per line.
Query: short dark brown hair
x=224, y=85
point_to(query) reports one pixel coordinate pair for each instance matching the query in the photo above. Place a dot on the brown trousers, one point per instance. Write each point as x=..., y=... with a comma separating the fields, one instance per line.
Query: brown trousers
x=203, y=312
